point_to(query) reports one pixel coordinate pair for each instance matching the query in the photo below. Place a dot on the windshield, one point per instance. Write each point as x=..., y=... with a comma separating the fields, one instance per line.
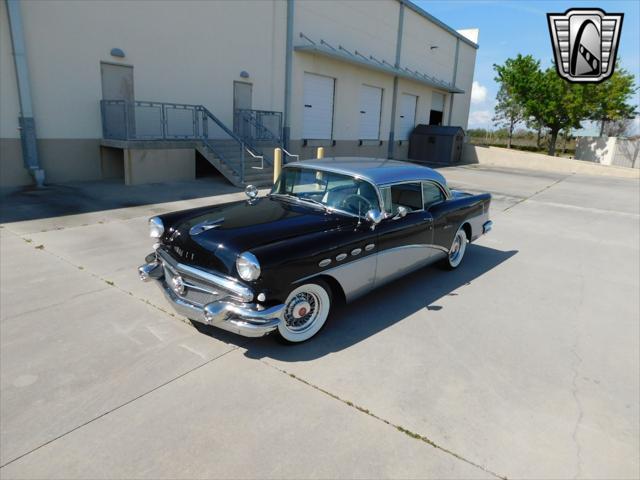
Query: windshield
x=333, y=190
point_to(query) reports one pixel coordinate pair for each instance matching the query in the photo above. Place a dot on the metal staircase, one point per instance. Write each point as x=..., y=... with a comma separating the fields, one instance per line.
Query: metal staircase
x=159, y=124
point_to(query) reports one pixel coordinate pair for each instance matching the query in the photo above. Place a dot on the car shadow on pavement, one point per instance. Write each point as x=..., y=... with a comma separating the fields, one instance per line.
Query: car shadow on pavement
x=380, y=309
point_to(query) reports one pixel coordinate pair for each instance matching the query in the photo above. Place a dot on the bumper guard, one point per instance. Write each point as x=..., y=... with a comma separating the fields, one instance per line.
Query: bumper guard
x=246, y=319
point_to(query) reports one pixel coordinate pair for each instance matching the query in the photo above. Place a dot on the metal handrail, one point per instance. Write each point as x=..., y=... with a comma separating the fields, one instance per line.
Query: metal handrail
x=261, y=157
x=290, y=154
x=123, y=127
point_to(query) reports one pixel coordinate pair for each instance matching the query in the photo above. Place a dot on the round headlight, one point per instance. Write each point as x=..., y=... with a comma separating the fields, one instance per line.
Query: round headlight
x=156, y=228
x=248, y=266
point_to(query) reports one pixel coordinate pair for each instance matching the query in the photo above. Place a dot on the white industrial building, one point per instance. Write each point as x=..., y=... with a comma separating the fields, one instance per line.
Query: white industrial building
x=146, y=91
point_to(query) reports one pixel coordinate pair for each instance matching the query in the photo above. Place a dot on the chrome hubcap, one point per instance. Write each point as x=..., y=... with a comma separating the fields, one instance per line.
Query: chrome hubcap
x=301, y=311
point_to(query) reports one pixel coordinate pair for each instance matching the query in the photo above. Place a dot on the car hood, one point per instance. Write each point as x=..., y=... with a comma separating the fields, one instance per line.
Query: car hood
x=212, y=237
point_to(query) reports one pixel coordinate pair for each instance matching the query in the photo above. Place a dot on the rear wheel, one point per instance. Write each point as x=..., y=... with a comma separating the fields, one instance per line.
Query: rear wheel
x=457, y=250
x=306, y=310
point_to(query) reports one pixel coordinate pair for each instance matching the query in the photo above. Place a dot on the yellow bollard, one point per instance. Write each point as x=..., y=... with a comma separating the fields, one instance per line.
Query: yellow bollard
x=320, y=153
x=277, y=163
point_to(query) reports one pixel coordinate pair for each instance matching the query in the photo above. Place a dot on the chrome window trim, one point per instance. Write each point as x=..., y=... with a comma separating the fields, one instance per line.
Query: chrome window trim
x=377, y=170
x=445, y=191
x=340, y=172
x=232, y=285
x=419, y=182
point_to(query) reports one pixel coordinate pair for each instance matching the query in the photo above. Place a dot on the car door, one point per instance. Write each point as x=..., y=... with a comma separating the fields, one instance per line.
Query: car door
x=404, y=242
x=443, y=216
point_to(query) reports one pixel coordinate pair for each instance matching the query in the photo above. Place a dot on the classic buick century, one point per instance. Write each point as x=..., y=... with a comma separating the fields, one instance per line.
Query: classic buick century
x=330, y=230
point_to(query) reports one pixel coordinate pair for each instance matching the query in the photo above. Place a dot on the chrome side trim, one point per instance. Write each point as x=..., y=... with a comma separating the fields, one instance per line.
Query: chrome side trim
x=356, y=277
x=397, y=261
x=241, y=291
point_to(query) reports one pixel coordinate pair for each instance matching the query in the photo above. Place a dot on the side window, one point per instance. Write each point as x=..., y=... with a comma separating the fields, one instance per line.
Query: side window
x=408, y=195
x=431, y=194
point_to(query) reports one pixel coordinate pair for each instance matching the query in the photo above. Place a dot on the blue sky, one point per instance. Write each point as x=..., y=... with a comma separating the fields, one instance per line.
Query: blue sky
x=511, y=27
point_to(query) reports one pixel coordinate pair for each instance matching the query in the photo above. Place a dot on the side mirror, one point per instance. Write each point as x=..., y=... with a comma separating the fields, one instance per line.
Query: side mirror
x=374, y=216
x=401, y=213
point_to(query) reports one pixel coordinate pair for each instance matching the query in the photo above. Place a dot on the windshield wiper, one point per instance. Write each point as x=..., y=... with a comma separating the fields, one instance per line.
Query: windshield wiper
x=313, y=201
x=300, y=199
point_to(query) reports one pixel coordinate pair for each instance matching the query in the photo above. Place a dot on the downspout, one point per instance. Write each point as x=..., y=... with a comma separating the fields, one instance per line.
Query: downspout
x=26, y=121
x=288, y=68
x=453, y=82
x=395, y=82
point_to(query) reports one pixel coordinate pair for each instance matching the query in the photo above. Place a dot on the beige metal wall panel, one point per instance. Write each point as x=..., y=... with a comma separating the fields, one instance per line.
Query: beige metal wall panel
x=418, y=36
x=9, y=105
x=462, y=101
x=367, y=26
x=183, y=52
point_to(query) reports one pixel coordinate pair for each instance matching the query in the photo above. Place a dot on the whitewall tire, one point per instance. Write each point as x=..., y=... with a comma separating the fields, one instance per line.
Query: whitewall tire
x=305, y=312
x=458, y=248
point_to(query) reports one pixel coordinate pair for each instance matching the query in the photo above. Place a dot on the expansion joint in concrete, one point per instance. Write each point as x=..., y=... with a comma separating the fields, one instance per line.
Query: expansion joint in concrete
x=409, y=433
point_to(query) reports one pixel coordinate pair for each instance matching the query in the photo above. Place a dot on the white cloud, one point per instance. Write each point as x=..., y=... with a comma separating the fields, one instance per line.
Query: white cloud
x=480, y=119
x=478, y=93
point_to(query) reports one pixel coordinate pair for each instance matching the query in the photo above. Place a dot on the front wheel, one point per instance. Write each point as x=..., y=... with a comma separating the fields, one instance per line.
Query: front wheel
x=458, y=247
x=305, y=312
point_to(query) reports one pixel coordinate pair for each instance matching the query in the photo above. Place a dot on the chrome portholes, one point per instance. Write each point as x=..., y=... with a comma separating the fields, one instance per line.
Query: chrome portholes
x=341, y=257
x=356, y=251
x=325, y=262
x=369, y=247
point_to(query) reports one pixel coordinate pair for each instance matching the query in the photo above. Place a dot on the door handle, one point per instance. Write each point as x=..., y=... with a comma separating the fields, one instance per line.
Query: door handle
x=307, y=105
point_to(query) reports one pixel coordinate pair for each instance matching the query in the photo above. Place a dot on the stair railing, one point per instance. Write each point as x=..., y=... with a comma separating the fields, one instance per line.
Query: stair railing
x=297, y=157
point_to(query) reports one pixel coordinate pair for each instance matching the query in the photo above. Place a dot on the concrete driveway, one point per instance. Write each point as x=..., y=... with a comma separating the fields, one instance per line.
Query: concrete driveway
x=523, y=363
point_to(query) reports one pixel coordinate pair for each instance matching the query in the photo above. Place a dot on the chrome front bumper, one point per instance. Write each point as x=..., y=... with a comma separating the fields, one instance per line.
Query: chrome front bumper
x=246, y=319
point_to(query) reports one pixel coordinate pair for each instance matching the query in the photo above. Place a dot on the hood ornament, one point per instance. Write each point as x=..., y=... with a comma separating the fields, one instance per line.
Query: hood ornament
x=206, y=225
x=252, y=192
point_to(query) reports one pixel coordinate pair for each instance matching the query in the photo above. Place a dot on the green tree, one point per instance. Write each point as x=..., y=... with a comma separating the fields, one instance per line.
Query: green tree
x=518, y=78
x=559, y=105
x=508, y=112
x=610, y=99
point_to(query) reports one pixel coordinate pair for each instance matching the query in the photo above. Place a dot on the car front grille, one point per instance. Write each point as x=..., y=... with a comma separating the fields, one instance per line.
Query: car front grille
x=196, y=291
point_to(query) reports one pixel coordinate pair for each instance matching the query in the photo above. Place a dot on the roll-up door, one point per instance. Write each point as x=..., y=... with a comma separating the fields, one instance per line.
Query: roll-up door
x=370, y=105
x=407, y=115
x=317, y=118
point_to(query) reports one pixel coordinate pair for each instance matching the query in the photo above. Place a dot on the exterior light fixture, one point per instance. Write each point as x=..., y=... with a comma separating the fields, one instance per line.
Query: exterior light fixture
x=117, y=52
x=244, y=74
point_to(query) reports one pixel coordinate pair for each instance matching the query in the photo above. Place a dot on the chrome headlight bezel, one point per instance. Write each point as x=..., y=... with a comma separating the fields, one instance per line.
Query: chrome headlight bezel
x=156, y=227
x=248, y=267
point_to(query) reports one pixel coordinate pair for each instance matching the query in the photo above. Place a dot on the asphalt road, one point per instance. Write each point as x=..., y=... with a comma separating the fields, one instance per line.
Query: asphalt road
x=523, y=363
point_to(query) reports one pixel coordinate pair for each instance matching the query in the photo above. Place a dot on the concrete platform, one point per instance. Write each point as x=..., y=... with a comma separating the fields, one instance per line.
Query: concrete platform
x=523, y=363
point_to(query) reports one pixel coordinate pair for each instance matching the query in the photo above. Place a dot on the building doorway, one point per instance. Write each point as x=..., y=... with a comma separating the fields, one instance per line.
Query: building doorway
x=117, y=84
x=436, y=114
x=242, y=99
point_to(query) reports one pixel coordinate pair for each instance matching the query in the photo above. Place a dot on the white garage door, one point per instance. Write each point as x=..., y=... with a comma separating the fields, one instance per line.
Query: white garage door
x=370, y=104
x=407, y=115
x=317, y=119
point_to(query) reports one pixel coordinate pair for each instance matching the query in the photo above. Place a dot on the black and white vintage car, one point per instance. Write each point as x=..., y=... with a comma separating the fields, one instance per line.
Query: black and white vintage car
x=330, y=230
